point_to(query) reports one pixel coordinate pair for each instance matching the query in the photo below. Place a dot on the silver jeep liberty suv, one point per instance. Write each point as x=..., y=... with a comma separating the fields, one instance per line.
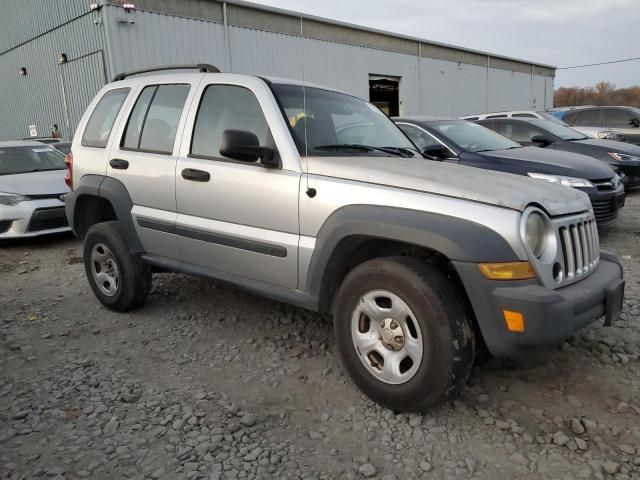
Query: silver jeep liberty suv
x=315, y=198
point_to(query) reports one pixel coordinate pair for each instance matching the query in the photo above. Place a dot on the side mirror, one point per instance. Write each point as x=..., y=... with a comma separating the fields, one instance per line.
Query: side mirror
x=542, y=140
x=245, y=146
x=437, y=152
x=634, y=122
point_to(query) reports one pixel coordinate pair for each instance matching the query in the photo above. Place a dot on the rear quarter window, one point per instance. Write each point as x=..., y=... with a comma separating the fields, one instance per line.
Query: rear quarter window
x=98, y=129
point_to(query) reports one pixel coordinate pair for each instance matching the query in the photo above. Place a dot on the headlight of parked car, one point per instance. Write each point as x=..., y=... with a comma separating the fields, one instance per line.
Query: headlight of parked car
x=11, y=198
x=562, y=180
x=624, y=157
x=538, y=234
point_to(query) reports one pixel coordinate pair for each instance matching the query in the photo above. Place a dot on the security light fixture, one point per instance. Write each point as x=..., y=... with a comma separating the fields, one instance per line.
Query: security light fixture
x=62, y=58
x=23, y=71
x=128, y=7
x=95, y=6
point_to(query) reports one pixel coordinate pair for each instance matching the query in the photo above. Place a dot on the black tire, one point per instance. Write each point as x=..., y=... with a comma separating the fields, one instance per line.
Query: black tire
x=442, y=315
x=134, y=276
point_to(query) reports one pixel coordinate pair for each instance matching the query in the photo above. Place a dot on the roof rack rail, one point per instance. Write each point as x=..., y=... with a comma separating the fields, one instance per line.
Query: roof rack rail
x=202, y=67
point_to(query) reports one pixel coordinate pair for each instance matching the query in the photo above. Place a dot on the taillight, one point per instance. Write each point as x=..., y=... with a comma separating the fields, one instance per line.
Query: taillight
x=68, y=177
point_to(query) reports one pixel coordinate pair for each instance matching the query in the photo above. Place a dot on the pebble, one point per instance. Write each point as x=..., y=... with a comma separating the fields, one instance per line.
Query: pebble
x=367, y=470
x=519, y=459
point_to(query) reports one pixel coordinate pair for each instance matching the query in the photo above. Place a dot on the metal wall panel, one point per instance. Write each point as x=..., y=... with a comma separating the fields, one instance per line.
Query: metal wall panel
x=344, y=67
x=37, y=98
x=201, y=9
x=509, y=90
x=22, y=20
x=451, y=89
x=157, y=39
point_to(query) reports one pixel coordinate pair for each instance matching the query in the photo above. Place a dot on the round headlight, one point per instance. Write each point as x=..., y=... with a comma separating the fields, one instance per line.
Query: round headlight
x=535, y=233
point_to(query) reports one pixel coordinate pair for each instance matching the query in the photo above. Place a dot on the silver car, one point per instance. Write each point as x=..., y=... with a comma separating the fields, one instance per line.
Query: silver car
x=32, y=190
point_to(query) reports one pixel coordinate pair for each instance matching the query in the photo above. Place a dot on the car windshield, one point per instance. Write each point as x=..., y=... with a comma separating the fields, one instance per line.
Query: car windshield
x=471, y=136
x=27, y=159
x=565, y=133
x=552, y=118
x=327, y=123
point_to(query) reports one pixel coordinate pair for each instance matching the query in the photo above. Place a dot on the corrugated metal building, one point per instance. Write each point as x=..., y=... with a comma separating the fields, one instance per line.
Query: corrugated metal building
x=55, y=55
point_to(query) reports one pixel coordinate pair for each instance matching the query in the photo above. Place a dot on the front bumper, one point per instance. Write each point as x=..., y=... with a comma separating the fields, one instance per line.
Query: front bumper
x=32, y=218
x=606, y=204
x=551, y=316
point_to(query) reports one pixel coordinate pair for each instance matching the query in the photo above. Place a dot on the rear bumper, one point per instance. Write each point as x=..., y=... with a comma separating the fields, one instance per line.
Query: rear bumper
x=32, y=218
x=551, y=316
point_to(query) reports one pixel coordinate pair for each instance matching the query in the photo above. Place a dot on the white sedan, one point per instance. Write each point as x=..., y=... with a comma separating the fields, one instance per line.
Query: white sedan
x=32, y=190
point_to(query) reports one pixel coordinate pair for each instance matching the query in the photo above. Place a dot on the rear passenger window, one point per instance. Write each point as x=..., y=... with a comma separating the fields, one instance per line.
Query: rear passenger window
x=617, y=118
x=524, y=115
x=226, y=107
x=588, y=117
x=96, y=132
x=153, y=122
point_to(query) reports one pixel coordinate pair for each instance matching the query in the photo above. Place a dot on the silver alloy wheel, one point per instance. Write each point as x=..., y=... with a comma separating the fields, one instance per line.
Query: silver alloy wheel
x=387, y=337
x=105, y=269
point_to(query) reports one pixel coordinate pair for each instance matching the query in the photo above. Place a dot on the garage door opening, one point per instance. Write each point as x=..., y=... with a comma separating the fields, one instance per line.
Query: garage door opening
x=384, y=93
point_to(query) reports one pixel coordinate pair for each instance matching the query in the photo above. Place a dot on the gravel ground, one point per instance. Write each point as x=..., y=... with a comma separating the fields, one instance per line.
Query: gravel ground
x=207, y=382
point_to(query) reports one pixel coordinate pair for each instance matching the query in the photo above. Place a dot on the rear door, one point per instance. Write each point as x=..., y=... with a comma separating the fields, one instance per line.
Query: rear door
x=237, y=217
x=622, y=121
x=144, y=160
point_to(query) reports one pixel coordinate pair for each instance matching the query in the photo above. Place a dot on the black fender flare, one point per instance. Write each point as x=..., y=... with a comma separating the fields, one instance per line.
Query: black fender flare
x=117, y=195
x=455, y=238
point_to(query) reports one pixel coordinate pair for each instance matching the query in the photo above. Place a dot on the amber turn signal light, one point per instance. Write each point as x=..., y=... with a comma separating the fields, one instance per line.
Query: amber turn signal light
x=514, y=321
x=507, y=271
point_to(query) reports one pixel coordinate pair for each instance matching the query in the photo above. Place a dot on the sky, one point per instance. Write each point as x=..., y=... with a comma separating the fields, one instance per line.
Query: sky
x=554, y=32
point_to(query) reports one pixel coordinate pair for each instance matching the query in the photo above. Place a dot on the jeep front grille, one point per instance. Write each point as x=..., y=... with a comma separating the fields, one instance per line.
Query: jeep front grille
x=580, y=248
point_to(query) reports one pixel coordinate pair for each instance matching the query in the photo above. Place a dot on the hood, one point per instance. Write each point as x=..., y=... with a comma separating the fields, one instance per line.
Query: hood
x=468, y=183
x=34, y=183
x=611, y=146
x=542, y=160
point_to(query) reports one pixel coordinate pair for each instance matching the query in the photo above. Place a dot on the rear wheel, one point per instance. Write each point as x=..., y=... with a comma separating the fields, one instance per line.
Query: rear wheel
x=119, y=280
x=403, y=333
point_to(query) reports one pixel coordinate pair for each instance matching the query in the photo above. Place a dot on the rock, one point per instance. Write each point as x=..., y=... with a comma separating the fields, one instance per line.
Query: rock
x=248, y=420
x=313, y=435
x=425, y=466
x=367, y=470
x=577, y=427
x=581, y=444
x=111, y=426
x=628, y=449
x=574, y=402
x=560, y=439
x=611, y=467
x=519, y=459
x=131, y=395
x=21, y=415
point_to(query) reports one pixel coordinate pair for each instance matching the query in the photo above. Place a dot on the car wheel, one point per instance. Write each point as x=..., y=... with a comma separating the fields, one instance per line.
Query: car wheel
x=403, y=333
x=120, y=281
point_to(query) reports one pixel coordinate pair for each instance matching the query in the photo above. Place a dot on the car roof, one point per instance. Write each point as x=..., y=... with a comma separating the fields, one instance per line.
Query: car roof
x=22, y=143
x=422, y=119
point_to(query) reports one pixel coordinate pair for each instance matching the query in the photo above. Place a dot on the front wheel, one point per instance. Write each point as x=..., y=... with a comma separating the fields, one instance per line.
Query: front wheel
x=403, y=333
x=120, y=281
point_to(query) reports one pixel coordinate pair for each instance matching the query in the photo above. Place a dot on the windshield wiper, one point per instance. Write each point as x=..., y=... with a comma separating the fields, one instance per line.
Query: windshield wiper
x=366, y=148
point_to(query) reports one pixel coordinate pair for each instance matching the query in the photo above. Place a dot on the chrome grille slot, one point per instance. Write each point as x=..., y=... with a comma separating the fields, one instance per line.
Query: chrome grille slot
x=579, y=248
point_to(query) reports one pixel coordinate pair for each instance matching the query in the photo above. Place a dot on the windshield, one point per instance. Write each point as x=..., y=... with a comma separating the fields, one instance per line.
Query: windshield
x=552, y=118
x=565, y=133
x=327, y=123
x=26, y=159
x=472, y=137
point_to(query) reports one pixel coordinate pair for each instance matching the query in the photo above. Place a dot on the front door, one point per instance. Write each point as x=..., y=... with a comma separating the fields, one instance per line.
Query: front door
x=236, y=217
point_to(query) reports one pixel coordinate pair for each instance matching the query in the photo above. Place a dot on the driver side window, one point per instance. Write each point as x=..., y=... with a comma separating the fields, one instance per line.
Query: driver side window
x=226, y=107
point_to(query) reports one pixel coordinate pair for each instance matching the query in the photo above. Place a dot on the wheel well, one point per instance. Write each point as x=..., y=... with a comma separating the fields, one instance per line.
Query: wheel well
x=353, y=251
x=90, y=210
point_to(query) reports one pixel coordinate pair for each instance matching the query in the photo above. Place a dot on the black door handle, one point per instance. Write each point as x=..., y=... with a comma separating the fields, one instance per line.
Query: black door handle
x=195, y=175
x=119, y=164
